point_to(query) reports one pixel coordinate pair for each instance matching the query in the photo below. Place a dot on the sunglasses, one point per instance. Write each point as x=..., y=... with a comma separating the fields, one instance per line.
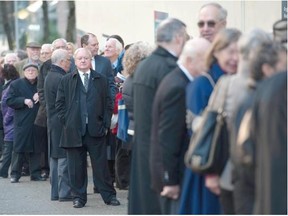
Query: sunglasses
x=210, y=24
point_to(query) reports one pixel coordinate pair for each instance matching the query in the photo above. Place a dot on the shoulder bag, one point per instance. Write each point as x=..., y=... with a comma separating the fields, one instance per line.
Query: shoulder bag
x=208, y=150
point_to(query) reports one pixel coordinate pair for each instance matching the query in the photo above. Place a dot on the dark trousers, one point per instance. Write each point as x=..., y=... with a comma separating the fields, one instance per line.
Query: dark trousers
x=244, y=190
x=227, y=201
x=111, y=153
x=122, y=165
x=42, y=140
x=34, y=164
x=77, y=168
x=59, y=179
x=169, y=206
x=6, y=158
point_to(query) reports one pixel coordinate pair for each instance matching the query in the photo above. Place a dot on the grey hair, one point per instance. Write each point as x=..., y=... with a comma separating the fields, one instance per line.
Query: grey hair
x=10, y=55
x=47, y=45
x=58, y=55
x=193, y=48
x=250, y=41
x=168, y=29
x=57, y=40
x=265, y=53
x=118, y=45
x=222, y=11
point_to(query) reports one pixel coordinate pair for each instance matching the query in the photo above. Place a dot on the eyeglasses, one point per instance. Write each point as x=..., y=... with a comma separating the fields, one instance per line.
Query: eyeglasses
x=210, y=24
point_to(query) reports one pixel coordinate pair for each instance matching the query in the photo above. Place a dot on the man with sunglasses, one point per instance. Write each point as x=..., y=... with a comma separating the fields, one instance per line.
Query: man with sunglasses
x=212, y=18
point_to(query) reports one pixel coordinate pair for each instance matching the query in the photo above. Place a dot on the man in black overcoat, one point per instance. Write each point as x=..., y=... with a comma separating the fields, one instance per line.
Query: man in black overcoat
x=41, y=118
x=171, y=37
x=84, y=108
x=169, y=137
x=59, y=179
x=24, y=99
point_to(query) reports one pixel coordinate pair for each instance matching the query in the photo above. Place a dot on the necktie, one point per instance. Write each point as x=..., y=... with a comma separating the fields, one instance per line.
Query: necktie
x=86, y=81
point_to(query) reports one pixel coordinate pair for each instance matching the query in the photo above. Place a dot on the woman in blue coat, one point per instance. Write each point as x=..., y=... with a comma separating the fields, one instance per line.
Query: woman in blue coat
x=222, y=59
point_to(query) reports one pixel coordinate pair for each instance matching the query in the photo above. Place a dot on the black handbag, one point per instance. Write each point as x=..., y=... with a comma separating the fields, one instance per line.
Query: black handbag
x=208, y=150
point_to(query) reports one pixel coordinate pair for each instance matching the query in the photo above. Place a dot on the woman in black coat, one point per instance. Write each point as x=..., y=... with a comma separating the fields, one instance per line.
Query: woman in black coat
x=23, y=98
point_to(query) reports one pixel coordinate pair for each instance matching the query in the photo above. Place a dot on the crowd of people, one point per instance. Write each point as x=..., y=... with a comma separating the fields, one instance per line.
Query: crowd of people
x=63, y=103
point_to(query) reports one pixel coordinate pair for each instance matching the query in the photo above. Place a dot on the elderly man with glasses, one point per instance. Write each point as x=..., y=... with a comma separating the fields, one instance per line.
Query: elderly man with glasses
x=196, y=198
x=212, y=18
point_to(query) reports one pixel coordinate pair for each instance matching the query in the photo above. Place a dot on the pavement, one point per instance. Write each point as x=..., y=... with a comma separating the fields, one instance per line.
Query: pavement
x=33, y=198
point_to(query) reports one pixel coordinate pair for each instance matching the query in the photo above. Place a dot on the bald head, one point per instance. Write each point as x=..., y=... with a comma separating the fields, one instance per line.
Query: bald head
x=193, y=55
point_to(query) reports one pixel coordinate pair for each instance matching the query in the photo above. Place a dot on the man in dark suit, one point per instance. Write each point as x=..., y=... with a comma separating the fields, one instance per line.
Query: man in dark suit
x=102, y=65
x=169, y=137
x=171, y=37
x=59, y=179
x=84, y=108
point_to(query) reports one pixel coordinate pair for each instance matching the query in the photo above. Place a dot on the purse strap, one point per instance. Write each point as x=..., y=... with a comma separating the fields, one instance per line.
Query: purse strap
x=228, y=80
x=208, y=76
x=225, y=88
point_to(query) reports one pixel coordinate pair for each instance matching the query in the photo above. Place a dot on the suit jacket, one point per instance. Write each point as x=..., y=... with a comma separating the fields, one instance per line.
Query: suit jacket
x=51, y=84
x=103, y=66
x=68, y=108
x=41, y=118
x=169, y=138
x=24, y=117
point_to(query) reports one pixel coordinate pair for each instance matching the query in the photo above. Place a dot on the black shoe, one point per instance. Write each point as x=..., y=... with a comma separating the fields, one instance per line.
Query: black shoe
x=78, y=204
x=14, y=180
x=38, y=178
x=113, y=202
x=65, y=199
x=3, y=176
x=124, y=188
x=95, y=190
x=45, y=175
x=25, y=173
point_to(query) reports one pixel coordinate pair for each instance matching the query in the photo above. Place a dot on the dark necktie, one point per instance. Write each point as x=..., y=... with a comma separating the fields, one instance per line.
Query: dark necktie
x=86, y=81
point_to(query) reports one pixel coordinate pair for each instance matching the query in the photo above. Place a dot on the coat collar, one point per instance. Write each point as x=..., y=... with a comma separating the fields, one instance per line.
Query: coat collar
x=93, y=74
x=216, y=72
x=163, y=52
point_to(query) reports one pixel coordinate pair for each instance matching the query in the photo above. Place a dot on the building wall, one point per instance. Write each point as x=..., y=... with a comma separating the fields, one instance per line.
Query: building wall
x=134, y=20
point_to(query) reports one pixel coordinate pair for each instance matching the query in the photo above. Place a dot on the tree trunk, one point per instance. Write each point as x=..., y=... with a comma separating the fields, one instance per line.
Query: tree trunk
x=6, y=19
x=46, y=30
x=71, y=24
